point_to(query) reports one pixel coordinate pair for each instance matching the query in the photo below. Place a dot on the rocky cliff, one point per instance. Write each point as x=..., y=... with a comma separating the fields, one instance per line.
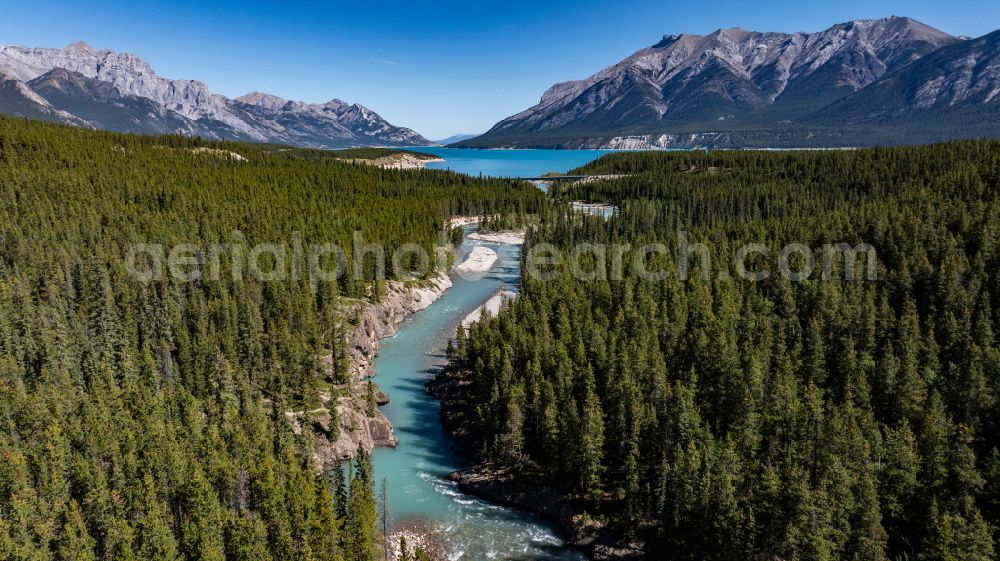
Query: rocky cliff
x=373, y=322
x=366, y=324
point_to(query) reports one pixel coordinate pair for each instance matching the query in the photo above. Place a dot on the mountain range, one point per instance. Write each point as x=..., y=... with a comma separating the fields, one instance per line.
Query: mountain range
x=455, y=138
x=865, y=82
x=103, y=89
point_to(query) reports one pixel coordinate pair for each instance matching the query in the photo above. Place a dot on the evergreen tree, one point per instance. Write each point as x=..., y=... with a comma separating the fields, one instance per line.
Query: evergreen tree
x=361, y=540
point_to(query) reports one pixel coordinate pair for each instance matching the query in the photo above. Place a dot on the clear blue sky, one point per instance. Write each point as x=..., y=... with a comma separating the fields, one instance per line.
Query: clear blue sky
x=439, y=67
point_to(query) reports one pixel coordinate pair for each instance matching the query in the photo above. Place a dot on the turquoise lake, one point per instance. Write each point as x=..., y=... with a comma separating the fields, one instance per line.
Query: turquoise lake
x=509, y=163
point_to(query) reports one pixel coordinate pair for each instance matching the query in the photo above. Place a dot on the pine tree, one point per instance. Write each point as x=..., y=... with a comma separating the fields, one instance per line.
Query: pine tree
x=340, y=498
x=869, y=540
x=362, y=513
x=371, y=404
x=404, y=549
x=153, y=533
x=74, y=543
x=510, y=442
x=325, y=528
x=460, y=343
x=592, y=441
x=939, y=543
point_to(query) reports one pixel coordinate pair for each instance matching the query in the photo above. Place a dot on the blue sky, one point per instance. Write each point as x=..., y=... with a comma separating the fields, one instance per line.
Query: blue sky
x=439, y=67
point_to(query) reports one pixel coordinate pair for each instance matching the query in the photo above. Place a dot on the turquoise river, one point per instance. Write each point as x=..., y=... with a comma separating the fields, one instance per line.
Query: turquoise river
x=415, y=472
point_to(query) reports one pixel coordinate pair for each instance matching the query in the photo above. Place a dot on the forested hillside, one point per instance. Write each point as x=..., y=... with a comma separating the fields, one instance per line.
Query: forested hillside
x=148, y=420
x=726, y=419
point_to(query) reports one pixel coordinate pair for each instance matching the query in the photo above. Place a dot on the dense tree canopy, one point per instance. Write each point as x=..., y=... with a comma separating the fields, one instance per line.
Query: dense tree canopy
x=725, y=419
x=147, y=420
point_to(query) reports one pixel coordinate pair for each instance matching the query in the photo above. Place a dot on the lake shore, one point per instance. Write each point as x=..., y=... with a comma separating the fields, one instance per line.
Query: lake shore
x=399, y=160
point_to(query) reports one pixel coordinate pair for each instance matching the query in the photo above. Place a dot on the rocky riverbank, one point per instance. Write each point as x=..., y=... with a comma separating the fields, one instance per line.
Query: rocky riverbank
x=504, y=238
x=419, y=534
x=582, y=532
x=492, y=306
x=366, y=324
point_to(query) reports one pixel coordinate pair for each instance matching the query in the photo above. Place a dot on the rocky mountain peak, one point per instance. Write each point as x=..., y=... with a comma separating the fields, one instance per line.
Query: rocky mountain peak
x=79, y=46
x=336, y=103
x=961, y=80
x=261, y=99
x=666, y=41
x=737, y=34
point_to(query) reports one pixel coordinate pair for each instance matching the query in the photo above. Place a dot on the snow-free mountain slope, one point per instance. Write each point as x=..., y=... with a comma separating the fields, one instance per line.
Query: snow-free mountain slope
x=455, y=138
x=959, y=84
x=21, y=101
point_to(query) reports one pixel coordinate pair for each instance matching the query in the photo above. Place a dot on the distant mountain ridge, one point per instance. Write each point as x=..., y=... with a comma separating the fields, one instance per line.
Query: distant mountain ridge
x=119, y=91
x=455, y=138
x=737, y=88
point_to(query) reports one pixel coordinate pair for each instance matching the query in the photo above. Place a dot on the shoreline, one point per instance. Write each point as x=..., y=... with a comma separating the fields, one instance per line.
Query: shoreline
x=589, y=536
x=366, y=324
x=472, y=480
x=400, y=160
x=480, y=260
x=492, y=306
x=514, y=237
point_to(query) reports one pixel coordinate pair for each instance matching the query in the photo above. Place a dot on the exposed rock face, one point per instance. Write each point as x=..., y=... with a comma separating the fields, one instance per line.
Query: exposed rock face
x=131, y=97
x=959, y=83
x=130, y=76
x=21, y=101
x=357, y=427
x=99, y=104
x=656, y=141
x=731, y=87
x=397, y=160
x=378, y=321
x=372, y=322
x=330, y=124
